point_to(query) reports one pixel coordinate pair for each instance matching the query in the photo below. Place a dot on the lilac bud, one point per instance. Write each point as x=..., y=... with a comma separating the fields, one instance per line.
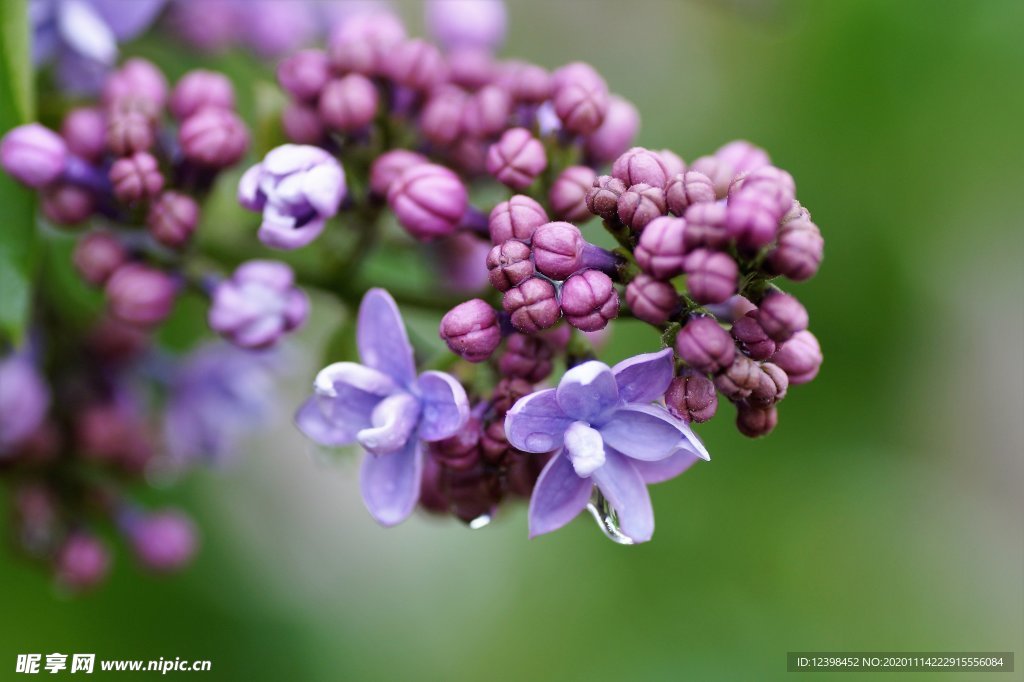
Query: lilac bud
x=526, y=357
x=674, y=163
x=141, y=295
x=705, y=226
x=457, y=24
x=258, y=304
x=508, y=264
x=799, y=251
x=661, y=251
x=486, y=112
x=641, y=166
x=568, y=195
x=686, y=189
x=348, y=104
x=137, y=81
x=692, y=398
x=24, y=401
x=428, y=200
x=752, y=219
x=776, y=183
x=471, y=330
x=164, y=541
x=589, y=300
x=742, y=156
x=85, y=132
x=711, y=276
x=417, y=65
x=739, y=379
x=616, y=134
x=173, y=218
x=361, y=42
x=302, y=124
x=129, y=131
x=719, y=173
x=461, y=451
x=751, y=337
x=558, y=249
x=705, y=346
x=581, y=98
x=517, y=218
x=82, y=562
x=641, y=204
x=65, y=204
x=201, y=88
x=754, y=421
x=214, y=137
x=304, y=74
x=35, y=156
x=800, y=357
x=651, y=300
x=772, y=385
x=136, y=178
x=388, y=166
x=527, y=83
x=796, y=212
x=472, y=68
x=781, y=316
x=533, y=305
x=442, y=115
x=603, y=197
x=517, y=158
x=97, y=255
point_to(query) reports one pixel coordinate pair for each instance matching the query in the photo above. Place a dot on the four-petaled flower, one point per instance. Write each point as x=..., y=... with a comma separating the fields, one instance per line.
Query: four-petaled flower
x=382, y=405
x=607, y=432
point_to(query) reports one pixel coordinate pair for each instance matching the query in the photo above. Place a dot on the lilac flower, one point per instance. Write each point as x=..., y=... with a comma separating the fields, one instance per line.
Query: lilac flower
x=258, y=304
x=24, y=400
x=458, y=24
x=298, y=187
x=606, y=432
x=382, y=405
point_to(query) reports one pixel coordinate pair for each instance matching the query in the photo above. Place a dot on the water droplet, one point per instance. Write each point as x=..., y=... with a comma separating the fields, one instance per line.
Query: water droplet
x=606, y=518
x=481, y=521
x=539, y=442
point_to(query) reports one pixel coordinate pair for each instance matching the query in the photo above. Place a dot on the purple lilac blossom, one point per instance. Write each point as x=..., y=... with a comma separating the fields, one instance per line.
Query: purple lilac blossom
x=467, y=24
x=258, y=304
x=24, y=400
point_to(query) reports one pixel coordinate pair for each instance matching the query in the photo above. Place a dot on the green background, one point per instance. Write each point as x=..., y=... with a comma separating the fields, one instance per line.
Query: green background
x=883, y=514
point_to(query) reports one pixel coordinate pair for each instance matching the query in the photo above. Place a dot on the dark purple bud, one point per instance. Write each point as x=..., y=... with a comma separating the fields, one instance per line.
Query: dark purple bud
x=692, y=398
x=772, y=386
x=471, y=330
x=754, y=421
x=137, y=83
x=173, y=218
x=509, y=264
x=720, y=174
x=163, y=541
x=85, y=131
x=129, y=131
x=705, y=226
x=140, y=295
x=568, y=195
x=603, y=197
x=580, y=97
x=589, y=300
x=416, y=64
x=558, y=249
x=428, y=200
x=661, y=251
x=782, y=315
x=199, y=89
x=486, y=112
x=461, y=451
x=686, y=189
x=752, y=219
x=388, y=166
x=517, y=218
x=472, y=68
x=641, y=166
x=348, y=104
x=533, y=305
x=304, y=74
x=97, y=255
x=739, y=379
x=800, y=357
x=711, y=276
x=526, y=357
x=742, y=156
x=527, y=83
x=641, y=204
x=517, y=158
x=65, y=204
x=616, y=133
x=302, y=124
x=651, y=300
x=35, y=156
x=136, y=178
x=705, y=346
x=213, y=137
x=442, y=115
x=752, y=338
x=82, y=562
x=799, y=250
x=258, y=304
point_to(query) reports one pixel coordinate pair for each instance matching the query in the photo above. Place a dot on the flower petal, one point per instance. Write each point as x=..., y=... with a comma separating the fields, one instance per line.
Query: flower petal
x=445, y=406
x=86, y=32
x=394, y=419
x=128, y=19
x=665, y=469
x=536, y=423
x=585, y=448
x=644, y=378
x=348, y=392
x=559, y=496
x=644, y=432
x=315, y=425
x=249, y=194
x=587, y=392
x=381, y=337
x=627, y=493
x=324, y=188
x=290, y=158
x=694, y=444
x=390, y=483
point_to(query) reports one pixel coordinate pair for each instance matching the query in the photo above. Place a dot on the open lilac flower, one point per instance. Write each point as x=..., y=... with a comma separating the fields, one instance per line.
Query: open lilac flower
x=607, y=432
x=298, y=187
x=384, y=407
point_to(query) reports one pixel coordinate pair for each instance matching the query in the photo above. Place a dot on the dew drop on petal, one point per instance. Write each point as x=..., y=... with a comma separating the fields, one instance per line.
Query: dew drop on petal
x=606, y=518
x=539, y=442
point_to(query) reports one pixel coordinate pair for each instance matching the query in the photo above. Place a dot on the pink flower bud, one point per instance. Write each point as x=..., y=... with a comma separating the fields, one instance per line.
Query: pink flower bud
x=651, y=300
x=558, y=249
x=526, y=357
x=140, y=294
x=85, y=131
x=428, y=200
x=603, y=197
x=705, y=346
x=800, y=357
x=66, y=205
x=302, y=124
x=533, y=305
x=641, y=166
x=173, y=218
x=674, y=163
x=137, y=81
x=568, y=195
x=692, y=398
x=754, y=421
x=781, y=316
x=82, y=562
x=361, y=43
x=216, y=138
x=641, y=204
x=442, y=115
x=751, y=337
x=772, y=181
x=164, y=541
x=388, y=166
x=517, y=218
x=719, y=173
x=129, y=131
x=304, y=74
x=517, y=158
x=771, y=387
x=705, y=226
x=136, y=178
x=527, y=83
x=742, y=156
x=686, y=189
x=589, y=300
x=580, y=98
x=201, y=88
x=349, y=104
x=661, y=251
x=616, y=134
x=509, y=264
x=486, y=112
x=35, y=156
x=752, y=219
x=711, y=276
x=799, y=250
x=416, y=64
x=97, y=255
x=471, y=330
x=472, y=68
x=739, y=379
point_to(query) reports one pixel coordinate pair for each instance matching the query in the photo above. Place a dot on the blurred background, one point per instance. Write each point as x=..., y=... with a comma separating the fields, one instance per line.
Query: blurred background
x=883, y=514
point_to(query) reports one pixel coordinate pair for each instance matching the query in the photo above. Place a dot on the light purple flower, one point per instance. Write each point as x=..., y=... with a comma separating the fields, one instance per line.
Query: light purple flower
x=383, y=406
x=24, y=400
x=476, y=24
x=606, y=431
x=298, y=187
x=258, y=304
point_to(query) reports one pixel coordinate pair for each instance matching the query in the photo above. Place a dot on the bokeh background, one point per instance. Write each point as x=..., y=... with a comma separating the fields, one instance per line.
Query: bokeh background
x=883, y=514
